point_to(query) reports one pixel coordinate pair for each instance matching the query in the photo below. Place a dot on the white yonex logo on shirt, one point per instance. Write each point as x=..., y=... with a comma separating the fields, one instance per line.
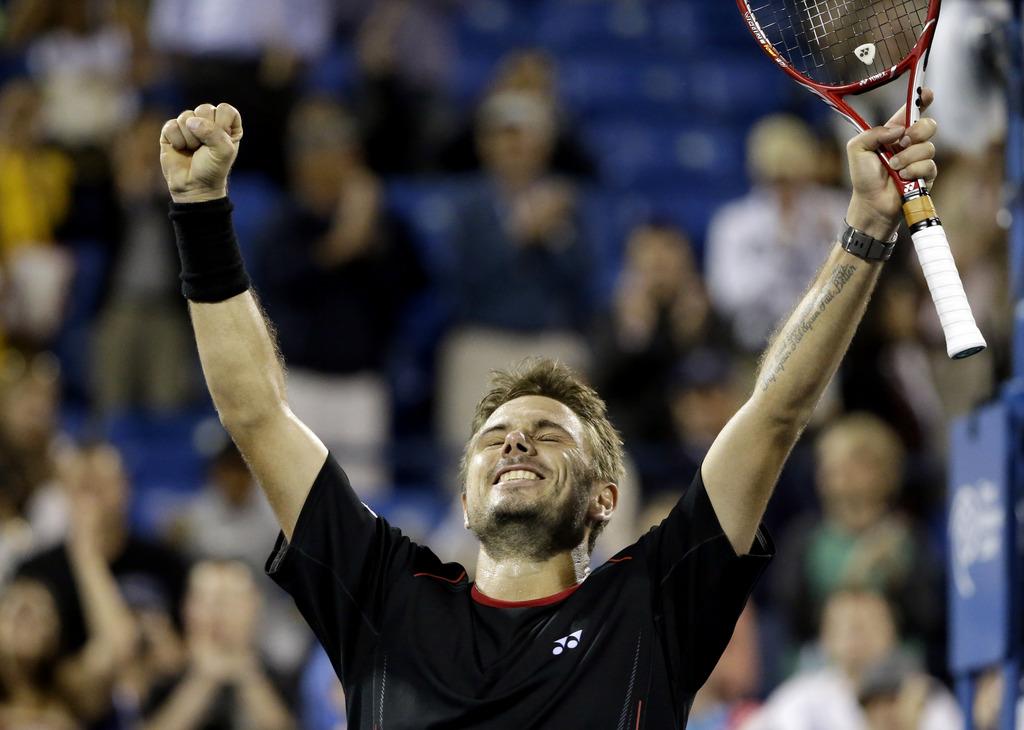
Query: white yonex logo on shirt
x=567, y=642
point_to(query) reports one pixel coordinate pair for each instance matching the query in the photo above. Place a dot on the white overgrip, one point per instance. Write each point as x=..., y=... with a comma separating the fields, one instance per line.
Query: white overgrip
x=963, y=338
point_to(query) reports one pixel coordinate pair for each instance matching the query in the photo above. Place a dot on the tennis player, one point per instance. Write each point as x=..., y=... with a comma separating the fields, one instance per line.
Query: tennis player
x=540, y=639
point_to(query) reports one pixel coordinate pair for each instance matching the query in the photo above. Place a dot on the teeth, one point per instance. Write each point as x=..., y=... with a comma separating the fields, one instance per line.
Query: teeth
x=517, y=474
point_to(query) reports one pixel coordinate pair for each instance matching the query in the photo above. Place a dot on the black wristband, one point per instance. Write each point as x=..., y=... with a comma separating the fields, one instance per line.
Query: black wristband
x=864, y=246
x=212, y=269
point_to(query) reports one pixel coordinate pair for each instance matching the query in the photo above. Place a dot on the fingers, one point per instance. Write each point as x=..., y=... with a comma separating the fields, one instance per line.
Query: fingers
x=171, y=135
x=205, y=111
x=191, y=141
x=875, y=138
x=227, y=118
x=923, y=170
x=920, y=131
x=209, y=134
x=915, y=162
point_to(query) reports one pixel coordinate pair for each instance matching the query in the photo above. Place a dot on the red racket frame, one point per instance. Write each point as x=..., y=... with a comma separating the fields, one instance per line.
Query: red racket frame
x=914, y=62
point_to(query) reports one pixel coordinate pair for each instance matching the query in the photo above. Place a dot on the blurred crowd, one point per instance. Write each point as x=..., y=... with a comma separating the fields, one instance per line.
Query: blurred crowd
x=428, y=190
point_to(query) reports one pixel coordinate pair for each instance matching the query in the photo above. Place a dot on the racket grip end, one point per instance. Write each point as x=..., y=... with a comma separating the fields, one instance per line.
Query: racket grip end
x=963, y=338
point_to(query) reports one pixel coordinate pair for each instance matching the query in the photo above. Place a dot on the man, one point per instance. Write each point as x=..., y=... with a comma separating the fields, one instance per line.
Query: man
x=538, y=640
x=865, y=684
x=224, y=683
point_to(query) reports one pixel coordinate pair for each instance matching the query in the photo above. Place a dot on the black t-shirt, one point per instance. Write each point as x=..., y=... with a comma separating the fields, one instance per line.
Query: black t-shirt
x=221, y=713
x=146, y=572
x=417, y=646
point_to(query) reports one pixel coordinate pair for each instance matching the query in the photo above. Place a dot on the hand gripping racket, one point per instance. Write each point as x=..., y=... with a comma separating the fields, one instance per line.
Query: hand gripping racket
x=836, y=48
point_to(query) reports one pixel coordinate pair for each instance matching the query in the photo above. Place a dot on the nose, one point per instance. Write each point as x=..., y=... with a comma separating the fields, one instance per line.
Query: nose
x=517, y=443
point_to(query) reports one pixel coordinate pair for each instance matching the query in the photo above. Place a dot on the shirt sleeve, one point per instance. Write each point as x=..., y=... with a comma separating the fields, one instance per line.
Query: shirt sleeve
x=341, y=566
x=700, y=584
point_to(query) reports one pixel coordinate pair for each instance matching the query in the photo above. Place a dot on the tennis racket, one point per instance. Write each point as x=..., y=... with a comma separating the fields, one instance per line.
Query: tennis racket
x=838, y=48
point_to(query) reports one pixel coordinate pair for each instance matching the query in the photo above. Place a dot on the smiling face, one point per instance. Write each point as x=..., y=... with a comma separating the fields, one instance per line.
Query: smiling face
x=531, y=490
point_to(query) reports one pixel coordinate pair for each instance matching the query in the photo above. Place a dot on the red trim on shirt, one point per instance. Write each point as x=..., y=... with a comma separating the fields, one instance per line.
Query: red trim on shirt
x=620, y=560
x=441, y=577
x=639, y=706
x=486, y=600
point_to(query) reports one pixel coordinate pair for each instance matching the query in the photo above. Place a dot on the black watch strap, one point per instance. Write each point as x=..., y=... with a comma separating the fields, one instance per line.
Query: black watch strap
x=864, y=246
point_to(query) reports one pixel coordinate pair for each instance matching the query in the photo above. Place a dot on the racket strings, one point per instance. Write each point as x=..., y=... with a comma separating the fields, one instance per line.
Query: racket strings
x=839, y=42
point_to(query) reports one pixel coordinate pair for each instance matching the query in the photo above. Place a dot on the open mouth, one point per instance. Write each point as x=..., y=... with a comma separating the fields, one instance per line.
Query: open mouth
x=517, y=474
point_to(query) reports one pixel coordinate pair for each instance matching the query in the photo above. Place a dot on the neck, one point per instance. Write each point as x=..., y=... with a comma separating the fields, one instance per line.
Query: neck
x=521, y=579
x=19, y=688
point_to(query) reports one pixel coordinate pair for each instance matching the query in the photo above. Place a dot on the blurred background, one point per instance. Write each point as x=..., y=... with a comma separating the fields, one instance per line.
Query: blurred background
x=428, y=190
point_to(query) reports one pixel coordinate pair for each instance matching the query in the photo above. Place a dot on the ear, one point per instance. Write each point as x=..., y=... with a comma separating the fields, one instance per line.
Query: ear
x=603, y=503
x=465, y=512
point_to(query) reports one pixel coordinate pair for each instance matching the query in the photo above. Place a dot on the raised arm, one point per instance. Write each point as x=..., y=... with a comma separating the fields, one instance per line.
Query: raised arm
x=236, y=347
x=743, y=464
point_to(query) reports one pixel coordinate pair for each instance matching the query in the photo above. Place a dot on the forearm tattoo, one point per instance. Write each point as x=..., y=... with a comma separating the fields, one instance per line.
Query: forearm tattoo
x=793, y=333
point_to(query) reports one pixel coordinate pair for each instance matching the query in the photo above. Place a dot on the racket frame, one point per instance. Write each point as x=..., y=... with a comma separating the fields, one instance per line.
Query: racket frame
x=918, y=209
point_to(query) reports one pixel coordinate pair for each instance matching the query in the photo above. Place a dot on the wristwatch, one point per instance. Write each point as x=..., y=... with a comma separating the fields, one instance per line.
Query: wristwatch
x=864, y=246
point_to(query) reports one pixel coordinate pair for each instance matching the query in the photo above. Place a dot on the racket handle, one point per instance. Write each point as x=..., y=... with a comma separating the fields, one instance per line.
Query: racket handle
x=963, y=338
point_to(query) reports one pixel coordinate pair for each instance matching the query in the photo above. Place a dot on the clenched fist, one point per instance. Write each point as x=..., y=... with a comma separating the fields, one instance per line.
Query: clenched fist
x=197, y=150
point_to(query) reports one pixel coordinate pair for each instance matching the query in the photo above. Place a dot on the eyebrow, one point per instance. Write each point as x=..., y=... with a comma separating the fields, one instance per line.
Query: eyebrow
x=537, y=425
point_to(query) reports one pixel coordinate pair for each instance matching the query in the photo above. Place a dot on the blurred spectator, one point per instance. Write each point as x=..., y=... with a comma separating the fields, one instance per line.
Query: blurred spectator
x=894, y=696
x=29, y=389
x=888, y=372
x=232, y=520
x=860, y=540
x=969, y=80
x=763, y=248
x=159, y=652
x=224, y=684
x=403, y=50
x=336, y=275
x=93, y=475
x=726, y=699
x=248, y=53
x=859, y=639
x=530, y=71
x=29, y=637
x=704, y=394
x=521, y=263
x=972, y=200
x=521, y=276
x=660, y=312
x=83, y=674
x=35, y=193
x=81, y=55
x=142, y=347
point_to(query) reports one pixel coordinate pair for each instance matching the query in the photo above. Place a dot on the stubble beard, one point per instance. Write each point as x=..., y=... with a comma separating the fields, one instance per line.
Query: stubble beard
x=537, y=530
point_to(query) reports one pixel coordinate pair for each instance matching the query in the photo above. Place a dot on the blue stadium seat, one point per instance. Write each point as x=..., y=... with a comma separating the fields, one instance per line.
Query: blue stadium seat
x=632, y=153
x=333, y=74
x=470, y=76
x=428, y=207
x=73, y=343
x=742, y=88
x=594, y=26
x=697, y=27
x=596, y=84
x=159, y=451
x=257, y=201
x=494, y=27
